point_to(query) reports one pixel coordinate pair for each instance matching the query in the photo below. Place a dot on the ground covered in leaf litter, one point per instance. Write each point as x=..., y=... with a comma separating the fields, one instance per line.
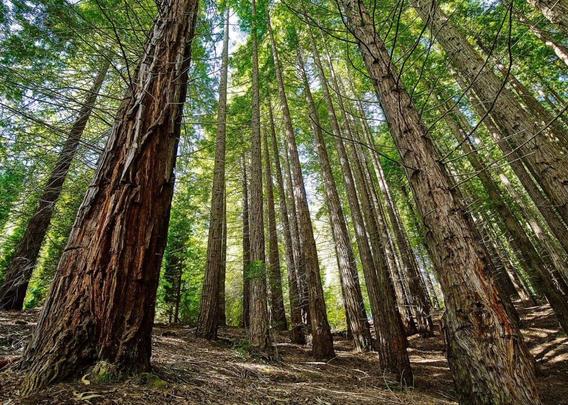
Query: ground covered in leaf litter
x=188, y=370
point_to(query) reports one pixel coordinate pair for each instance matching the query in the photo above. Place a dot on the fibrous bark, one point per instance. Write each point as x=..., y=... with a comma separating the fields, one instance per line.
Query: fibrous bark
x=486, y=353
x=101, y=304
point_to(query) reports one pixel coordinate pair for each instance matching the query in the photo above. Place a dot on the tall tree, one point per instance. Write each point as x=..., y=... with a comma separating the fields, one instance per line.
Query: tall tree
x=556, y=11
x=538, y=145
x=322, y=341
x=88, y=316
x=210, y=303
x=297, y=332
x=259, y=328
x=274, y=276
x=20, y=268
x=246, y=247
x=353, y=297
x=486, y=352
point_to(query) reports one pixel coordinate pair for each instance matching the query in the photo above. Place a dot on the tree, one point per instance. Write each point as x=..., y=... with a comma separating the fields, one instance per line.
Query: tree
x=88, y=316
x=19, y=270
x=258, y=323
x=210, y=302
x=486, y=353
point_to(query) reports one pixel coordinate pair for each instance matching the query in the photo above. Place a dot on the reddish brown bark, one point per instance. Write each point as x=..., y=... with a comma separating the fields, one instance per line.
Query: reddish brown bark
x=246, y=248
x=101, y=305
x=486, y=353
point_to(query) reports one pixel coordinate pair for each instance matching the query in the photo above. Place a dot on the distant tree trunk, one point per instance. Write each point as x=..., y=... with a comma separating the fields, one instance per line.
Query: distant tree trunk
x=416, y=284
x=351, y=289
x=119, y=236
x=246, y=248
x=486, y=353
x=560, y=50
x=297, y=332
x=20, y=268
x=391, y=339
x=322, y=341
x=556, y=225
x=221, y=312
x=544, y=156
x=259, y=328
x=275, y=278
x=210, y=304
x=556, y=11
x=532, y=261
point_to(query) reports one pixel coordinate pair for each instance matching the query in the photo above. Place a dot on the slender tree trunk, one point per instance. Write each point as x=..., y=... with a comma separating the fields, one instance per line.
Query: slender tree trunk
x=119, y=236
x=415, y=282
x=275, y=278
x=322, y=341
x=391, y=337
x=210, y=304
x=246, y=248
x=19, y=270
x=560, y=50
x=297, y=332
x=259, y=328
x=221, y=312
x=353, y=298
x=556, y=11
x=543, y=154
x=486, y=353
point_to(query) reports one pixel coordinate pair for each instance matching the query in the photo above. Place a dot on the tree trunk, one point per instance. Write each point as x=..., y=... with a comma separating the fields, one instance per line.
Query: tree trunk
x=246, y=248
x=486, y=353
x=556, y=11
x=274, y=277
x=351, y=289
x=20, y=268
x=221, y=312
x=322, y=341
x=119, y=236
x=210, y=304
x=416, y=284
x=543, y=154
x=391, y=339
x=297, y=332
x=259, y=328
x=560, y=50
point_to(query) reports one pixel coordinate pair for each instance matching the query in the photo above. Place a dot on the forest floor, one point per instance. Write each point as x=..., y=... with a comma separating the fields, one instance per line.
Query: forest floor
x=188, y=370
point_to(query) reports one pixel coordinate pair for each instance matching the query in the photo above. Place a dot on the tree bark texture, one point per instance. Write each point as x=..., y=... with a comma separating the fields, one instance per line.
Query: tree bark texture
x=486, y=353
x=101, y=304
x=246, y=247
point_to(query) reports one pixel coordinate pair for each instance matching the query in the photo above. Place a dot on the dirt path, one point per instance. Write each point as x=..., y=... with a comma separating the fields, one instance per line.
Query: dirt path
x=191, y=370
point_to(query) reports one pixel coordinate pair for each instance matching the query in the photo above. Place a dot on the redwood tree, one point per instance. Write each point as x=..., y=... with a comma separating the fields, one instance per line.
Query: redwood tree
x=101, y=305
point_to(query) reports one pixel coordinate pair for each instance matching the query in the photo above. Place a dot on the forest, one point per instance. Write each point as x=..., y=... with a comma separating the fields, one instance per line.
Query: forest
x=284, y=202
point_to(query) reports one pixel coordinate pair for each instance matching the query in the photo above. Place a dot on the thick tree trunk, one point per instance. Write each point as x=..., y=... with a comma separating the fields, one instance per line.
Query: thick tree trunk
x=322, y=341
x=19, y=270
x=542, y=153
x=101, y=304
x=297, y=332
x=486, y=353
x=259, y=328
x=353, y=298
x=556, y=11
x=210, y=303
x=246, y=248
x=274, y=277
